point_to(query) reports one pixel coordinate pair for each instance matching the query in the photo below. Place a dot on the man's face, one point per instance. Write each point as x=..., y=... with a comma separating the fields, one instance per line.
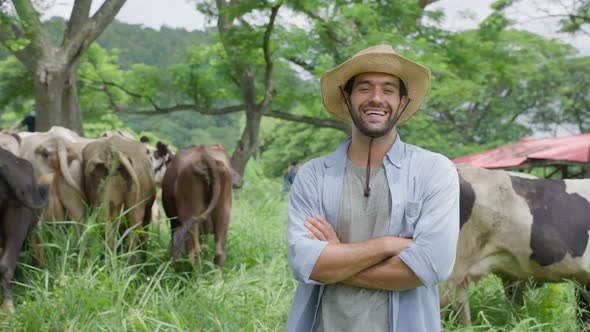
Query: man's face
x=375, y=100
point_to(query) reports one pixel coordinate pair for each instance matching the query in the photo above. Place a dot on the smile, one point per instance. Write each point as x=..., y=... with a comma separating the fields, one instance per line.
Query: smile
x=375, y=113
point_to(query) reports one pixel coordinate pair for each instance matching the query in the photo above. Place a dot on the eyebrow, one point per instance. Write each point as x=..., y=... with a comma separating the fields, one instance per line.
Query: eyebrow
x=393, y=84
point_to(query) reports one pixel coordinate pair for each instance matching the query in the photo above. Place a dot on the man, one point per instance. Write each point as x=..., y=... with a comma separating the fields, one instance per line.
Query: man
x=373, y=226
x=28, y=121
x=290, y=176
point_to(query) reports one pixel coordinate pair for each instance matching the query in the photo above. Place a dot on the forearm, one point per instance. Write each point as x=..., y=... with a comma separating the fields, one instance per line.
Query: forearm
x=341, y=261
x=391, y=274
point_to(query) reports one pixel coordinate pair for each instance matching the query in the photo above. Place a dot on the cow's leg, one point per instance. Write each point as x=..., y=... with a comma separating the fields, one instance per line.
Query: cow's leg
x=37, y=247
x=583, y=301
x=193, y=246
x=459, y=302
x=110, y=220
x=17, y=222
x=138, y=237
x=514, y=291
x=220, y=217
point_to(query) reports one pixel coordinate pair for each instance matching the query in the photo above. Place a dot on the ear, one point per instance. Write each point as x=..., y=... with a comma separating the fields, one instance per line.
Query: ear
x=403, y=102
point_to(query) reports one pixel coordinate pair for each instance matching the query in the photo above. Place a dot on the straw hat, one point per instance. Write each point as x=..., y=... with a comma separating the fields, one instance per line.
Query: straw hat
x=382, y=59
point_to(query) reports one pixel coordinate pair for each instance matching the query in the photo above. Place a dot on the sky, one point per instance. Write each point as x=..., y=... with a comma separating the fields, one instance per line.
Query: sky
x=183, y=14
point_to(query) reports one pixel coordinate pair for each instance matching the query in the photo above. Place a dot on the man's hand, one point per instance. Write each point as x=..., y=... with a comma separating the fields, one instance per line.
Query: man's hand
x=320, y=229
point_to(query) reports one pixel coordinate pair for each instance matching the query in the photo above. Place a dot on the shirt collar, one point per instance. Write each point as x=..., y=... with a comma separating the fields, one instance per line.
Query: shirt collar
x=394, y=156
x=397, y=152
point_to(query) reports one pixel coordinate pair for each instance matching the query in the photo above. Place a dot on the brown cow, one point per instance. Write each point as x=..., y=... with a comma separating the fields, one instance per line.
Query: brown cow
x=118, y=172
x=20, y=200
x=198, y=185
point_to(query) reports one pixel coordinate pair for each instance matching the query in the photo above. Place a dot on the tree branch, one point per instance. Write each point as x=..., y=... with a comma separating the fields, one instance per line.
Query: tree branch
x=186, y=107
x=423, y=3
x=27, y=13
x=91, y=29
x=327, y=123
x=268, y=94
x=156, y=109
x=78, y=17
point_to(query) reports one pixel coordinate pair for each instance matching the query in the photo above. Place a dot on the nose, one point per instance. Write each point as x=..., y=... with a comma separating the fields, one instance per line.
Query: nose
x=377, y=96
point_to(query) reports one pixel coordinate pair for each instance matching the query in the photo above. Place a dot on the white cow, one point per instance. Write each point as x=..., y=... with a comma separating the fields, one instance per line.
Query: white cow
x=57, y=154
x=520, y=228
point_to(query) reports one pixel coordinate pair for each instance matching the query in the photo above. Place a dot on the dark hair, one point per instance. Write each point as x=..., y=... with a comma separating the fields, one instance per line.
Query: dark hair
x=144, y=139
x=350, y=83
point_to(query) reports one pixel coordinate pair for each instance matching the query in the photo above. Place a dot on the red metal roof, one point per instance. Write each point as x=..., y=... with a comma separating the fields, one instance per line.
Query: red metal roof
x=571, y=148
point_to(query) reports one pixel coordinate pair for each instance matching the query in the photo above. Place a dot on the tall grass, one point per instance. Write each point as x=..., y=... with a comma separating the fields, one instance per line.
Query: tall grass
x=82, y=286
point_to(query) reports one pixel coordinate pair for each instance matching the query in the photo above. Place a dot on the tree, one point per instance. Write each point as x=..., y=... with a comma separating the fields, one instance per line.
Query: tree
x=245, y=57
x=53, y=67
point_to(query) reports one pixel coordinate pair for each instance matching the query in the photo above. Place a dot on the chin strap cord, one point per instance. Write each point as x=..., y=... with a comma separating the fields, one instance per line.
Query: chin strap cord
x=368, y=176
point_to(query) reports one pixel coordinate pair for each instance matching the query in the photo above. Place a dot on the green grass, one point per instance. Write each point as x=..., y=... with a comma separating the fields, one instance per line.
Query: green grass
x=81, y=286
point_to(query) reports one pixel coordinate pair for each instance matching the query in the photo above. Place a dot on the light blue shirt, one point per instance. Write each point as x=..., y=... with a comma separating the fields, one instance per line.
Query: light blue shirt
x=425, y=206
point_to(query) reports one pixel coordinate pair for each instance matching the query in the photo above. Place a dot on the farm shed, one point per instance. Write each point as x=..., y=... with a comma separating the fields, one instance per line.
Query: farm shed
x=563, y=157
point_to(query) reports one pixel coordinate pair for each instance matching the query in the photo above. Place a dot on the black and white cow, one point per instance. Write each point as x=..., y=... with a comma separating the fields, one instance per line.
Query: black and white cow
x=520, y=228
x=20, y=201
x=160, y=157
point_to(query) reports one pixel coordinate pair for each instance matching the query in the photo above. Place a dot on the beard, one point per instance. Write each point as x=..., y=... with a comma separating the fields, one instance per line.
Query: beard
x=368, y=131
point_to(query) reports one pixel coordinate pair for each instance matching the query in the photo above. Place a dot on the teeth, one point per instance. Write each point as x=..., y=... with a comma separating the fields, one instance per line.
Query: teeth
x=375, y=113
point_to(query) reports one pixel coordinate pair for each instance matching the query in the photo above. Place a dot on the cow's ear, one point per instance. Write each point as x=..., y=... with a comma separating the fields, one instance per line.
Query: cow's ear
x=72, y=155
x=17, y=137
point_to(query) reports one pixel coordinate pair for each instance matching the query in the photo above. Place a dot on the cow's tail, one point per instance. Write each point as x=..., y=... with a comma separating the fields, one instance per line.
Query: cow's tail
x=129, y=168
x=62, y=155
x=212, y=172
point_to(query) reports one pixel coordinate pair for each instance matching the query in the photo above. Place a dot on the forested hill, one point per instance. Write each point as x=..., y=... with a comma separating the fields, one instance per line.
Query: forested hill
x=158, y=48
x=137, y=44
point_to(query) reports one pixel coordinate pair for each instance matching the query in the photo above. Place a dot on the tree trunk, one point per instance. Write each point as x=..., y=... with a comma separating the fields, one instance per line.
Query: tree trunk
x=56, y=97
x=248, y=143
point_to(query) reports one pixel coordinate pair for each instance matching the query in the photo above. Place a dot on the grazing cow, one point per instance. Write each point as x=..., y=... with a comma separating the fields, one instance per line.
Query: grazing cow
x=118, y=172
x=109, y=133
x=57, y=154
x=520, y=228
x=159, y=156
x=197, y=186
x=20, y=200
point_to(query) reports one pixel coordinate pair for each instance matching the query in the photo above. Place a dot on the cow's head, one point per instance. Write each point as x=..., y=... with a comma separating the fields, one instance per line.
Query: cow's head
x=160, y=158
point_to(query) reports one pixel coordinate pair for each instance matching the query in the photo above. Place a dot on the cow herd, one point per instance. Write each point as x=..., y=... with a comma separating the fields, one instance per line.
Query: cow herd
x=512, y=224
x=58, y=175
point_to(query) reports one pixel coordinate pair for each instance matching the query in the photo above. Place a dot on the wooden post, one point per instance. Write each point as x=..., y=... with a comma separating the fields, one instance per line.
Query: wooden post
x=588, y=165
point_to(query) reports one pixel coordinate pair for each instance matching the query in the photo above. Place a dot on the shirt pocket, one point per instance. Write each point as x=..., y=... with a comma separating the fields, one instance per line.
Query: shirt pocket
x=412, y=211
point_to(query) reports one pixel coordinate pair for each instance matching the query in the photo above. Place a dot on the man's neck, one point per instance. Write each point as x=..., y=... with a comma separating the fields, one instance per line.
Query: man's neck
x=358, y=151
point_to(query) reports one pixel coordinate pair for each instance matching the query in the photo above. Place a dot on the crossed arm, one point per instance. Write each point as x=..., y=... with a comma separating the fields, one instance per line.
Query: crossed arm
x=370, y=264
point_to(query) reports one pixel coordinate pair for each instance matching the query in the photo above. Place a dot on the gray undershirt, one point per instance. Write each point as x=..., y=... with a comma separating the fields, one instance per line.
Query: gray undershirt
x=348, y=308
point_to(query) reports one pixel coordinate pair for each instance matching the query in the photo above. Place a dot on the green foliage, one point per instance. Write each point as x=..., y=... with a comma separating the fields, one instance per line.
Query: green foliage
x=16, y=85
x=550, y=307
x=289, y=141
x=183, y=129
x=97, y=66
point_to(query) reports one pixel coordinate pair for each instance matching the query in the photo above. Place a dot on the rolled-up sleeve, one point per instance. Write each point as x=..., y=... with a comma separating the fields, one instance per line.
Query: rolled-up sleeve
x=431, y=255
x=302, y=251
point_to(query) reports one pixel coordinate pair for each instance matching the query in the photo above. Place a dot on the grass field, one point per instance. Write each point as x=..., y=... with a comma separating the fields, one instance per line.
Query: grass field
x=83, y=287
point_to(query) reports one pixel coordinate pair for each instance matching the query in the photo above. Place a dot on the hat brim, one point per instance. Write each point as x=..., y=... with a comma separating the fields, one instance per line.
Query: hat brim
x=415, y=76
